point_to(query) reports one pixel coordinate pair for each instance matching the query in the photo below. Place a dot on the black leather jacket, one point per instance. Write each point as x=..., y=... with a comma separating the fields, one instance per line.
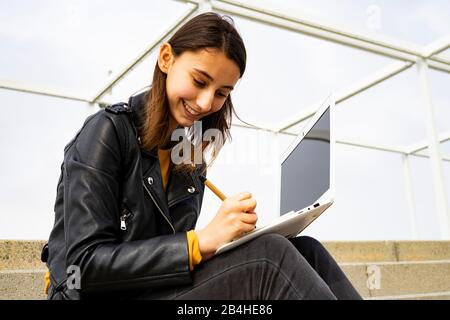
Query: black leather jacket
x=113, y=219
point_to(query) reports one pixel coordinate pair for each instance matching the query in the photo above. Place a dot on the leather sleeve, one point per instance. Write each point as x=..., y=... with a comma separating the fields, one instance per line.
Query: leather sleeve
x=91, y=193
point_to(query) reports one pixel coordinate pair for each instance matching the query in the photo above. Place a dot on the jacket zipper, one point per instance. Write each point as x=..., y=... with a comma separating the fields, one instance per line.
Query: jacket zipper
x=156, y=203
x=123, y=223
x=123, y=220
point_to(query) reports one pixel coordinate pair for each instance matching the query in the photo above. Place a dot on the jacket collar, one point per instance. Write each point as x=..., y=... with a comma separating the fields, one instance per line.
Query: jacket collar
x=137, y=104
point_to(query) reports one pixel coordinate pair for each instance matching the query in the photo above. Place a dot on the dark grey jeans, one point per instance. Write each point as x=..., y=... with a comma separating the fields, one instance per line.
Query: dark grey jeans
x=269, y=267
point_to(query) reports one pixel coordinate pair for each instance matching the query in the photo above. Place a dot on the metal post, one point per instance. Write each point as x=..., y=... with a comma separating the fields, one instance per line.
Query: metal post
x=410, y=197
x=434, y=151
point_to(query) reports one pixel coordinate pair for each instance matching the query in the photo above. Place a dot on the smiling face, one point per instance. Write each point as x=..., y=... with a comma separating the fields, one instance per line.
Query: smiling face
x=198, y=83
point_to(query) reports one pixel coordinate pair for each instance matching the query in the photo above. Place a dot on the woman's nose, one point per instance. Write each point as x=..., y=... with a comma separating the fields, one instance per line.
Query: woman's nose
x=205, y=100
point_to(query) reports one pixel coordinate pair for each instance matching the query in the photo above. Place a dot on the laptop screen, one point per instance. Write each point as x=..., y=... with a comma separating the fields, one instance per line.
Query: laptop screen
x=305, y=173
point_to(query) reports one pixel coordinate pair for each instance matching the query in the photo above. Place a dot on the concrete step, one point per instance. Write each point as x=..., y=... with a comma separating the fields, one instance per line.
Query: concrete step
x=399, y=278
x=424, y=296
x=378, y=269
x=373, y=251
x=389, y=280
x=22, y=284
x=21, y=254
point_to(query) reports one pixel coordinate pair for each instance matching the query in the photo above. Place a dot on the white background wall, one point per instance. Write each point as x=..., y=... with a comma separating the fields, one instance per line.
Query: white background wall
x=77, y=46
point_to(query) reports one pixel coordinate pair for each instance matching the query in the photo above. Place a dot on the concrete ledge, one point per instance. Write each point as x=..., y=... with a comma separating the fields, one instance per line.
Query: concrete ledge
x=378, y=269
x=22, y=285
x=426, y=296
x=25, y=254
x=399, y=278
x=20, y=254
x=372, y=251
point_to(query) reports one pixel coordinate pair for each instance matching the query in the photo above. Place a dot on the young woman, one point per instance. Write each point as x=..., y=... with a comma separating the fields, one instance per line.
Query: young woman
x=125, y=213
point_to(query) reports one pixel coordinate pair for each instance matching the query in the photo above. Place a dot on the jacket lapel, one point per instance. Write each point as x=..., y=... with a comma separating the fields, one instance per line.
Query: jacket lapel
x=152, y=181
x=181, y=186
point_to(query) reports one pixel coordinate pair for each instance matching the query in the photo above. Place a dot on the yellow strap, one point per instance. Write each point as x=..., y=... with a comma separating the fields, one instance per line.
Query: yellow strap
x=47, y=281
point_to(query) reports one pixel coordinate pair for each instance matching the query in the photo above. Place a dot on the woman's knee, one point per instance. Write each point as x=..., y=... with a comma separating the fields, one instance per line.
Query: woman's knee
x=307, y=245
x=272, y=241
x=271, y=246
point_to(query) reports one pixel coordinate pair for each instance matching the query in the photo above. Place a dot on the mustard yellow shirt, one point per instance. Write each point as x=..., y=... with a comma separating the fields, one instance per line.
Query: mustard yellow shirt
x=195, y=256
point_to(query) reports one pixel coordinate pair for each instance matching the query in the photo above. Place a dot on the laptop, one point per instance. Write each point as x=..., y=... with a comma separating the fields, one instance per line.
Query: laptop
x=306, y=179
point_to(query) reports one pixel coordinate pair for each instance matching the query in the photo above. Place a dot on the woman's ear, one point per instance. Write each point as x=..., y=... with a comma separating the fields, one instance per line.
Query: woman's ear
x=165, y=58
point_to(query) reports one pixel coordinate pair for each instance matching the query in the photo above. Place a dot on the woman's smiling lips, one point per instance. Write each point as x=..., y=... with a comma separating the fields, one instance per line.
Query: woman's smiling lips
x=191, y=113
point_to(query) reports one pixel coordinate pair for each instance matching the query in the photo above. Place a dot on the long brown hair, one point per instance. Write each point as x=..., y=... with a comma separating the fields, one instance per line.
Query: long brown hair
x=207, y=30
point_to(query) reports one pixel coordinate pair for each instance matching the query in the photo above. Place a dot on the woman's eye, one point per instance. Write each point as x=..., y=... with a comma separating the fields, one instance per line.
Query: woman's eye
x=221, y=94
x=199, y=83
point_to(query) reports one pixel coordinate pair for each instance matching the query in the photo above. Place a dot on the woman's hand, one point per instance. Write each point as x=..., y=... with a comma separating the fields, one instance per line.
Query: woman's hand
x=235, y=217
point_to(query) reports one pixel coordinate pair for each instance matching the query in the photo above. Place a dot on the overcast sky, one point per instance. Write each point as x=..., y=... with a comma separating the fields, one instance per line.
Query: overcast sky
x=76, y=47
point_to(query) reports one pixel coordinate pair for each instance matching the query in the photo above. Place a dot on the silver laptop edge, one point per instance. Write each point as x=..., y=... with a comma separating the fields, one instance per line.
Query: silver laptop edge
x=328, y=196
x=310, y=213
